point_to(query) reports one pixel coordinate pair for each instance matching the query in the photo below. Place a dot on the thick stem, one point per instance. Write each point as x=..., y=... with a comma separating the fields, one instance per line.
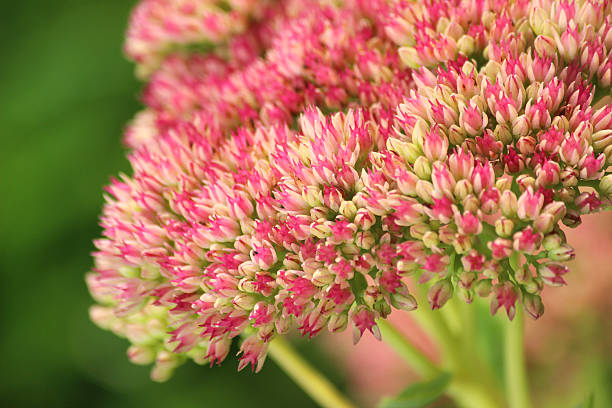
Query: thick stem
x=433, y=323
x=514, y=363
x=468, y=388
x=470, y=394
x=415, y=357
x=307, y=377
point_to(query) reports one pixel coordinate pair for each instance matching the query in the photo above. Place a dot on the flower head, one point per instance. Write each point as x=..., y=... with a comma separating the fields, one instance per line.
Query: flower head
x=300, y=188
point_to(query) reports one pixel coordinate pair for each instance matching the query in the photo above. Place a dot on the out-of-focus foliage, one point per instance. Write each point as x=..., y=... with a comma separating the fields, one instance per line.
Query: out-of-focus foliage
x=66, y=93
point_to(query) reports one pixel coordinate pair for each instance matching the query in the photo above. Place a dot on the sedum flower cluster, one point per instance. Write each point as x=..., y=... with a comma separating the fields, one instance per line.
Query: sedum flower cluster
x=161, y=27
x=293, y=174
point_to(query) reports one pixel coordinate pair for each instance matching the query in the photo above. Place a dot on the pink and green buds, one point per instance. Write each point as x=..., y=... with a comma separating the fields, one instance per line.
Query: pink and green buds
x=439, y=294
x=298, y=162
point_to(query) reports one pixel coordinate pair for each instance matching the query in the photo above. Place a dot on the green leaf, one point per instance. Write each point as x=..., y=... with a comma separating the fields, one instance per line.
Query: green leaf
x=419, y=395
x=588, y=403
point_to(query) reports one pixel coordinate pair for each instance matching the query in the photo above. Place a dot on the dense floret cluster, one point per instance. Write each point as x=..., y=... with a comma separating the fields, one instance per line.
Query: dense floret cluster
x=295, y=175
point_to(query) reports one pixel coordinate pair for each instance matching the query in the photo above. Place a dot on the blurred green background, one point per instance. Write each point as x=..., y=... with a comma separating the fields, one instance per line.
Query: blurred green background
x=66, y=93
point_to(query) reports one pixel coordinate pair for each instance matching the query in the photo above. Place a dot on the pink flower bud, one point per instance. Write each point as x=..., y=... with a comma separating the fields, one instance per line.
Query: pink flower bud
x=363, y=319
x=527, y=240
x=504, y=295
x=604, y=72
x=508, y=204
x=165, y=363
x=538, y=115
x=489, y=200
x=569, y=177
x=587, y=202
x=473, y=261
x=253, y=352
x=552, y=273
x=468, y=223
x=472, y=119
x=364, y=219
x=548, y=174
x=533, y=305
x=563, y=253
x=513, y=162
x=572, y=219
x=605, y=185
x=530, y=204
x=504, y=227
x=525, y=181
x=545, y=46
x=141, y=355
x=264, y=255
x=403, y=300
x=241, y=206
x=500, y=248
x=406, y=182
x=442, y=209
x=544, y=223
x=462, y=189
x=435, y=145
x=347, y=177
x=424, y=190
x=461, y=163
x=443, y=180
x=342, y=231
x=602, y=118
x=337, y=323
x=552, y=241
x=439, y=293
x=520, y=126
x=553, y=94
x=483, y=177
x=526, y=145
x=602, y=139
x=572, y=149
x=591, y=166
x=551, y=140
x=557, y=209
x=408, y=213
x=422, y=168
x=568, y=43
x=505, y=111
x=332, y=198
x=436, y=263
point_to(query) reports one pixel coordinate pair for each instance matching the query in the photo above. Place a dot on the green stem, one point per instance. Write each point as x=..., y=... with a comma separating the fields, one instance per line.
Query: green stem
x=434, y=323
x=467, y=388
x=451, y=315
x=307, y=377
x=470, y=394
x=415, y=357
x=514, y=363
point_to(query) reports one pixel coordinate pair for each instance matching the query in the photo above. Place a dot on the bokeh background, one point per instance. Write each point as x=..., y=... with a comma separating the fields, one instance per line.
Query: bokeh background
x=66, y=93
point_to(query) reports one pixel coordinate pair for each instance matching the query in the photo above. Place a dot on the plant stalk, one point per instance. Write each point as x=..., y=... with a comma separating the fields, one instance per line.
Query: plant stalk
x=514, y=363
x=469, y=390
x=415, y=357
x=319, y=388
